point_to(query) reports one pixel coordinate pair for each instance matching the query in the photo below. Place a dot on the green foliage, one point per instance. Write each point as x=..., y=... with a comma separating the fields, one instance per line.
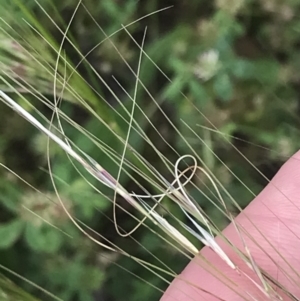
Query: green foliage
x=10, y=232
x=223, y=87
x=10, y=292
x=237, y=62
x=42, y=239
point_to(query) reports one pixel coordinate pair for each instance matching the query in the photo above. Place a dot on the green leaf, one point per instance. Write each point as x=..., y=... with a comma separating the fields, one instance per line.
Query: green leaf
x=198, y=92
x=9, y=233
x=174, y=88
x=9, y=195
x=85, y=198
x=223, y=87
x=266, y=71
x=43, y=238
x=242, y=69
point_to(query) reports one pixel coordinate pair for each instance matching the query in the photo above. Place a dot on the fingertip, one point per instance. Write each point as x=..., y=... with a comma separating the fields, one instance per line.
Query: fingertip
x=270, y=227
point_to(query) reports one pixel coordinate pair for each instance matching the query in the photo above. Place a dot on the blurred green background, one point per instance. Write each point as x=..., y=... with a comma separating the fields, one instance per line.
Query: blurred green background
x=236, y=60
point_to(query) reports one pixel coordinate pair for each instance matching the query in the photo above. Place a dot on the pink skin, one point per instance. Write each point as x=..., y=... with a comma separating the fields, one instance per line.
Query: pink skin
x=276, y=213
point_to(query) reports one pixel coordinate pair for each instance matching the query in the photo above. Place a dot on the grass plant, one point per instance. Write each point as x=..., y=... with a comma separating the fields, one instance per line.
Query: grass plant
x=129, y=175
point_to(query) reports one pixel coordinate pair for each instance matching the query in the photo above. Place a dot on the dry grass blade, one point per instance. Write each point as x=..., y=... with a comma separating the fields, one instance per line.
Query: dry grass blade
x=159, y=184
